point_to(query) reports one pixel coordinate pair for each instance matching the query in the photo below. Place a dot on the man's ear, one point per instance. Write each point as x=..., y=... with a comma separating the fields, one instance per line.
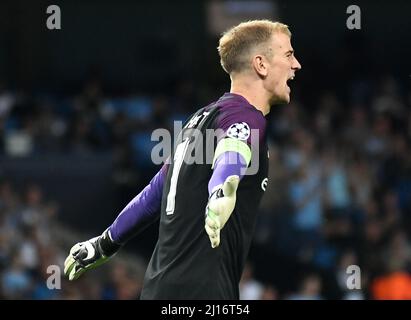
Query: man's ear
x=260, y=65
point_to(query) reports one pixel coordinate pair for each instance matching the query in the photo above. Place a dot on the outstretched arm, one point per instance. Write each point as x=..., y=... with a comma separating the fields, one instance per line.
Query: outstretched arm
x=135, y=217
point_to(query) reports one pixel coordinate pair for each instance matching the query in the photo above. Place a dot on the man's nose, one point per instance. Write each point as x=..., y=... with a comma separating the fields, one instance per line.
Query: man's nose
x=296, y=65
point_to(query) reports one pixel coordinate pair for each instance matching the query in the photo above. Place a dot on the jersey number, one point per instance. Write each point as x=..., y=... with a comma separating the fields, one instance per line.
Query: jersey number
x=178, y=161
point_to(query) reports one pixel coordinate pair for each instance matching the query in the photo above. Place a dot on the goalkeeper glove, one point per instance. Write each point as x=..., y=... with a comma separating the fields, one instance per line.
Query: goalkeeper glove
x=220, y=206
x=89, y=254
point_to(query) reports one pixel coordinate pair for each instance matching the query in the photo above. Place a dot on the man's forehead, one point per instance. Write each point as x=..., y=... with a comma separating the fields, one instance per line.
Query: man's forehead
x=281, y=42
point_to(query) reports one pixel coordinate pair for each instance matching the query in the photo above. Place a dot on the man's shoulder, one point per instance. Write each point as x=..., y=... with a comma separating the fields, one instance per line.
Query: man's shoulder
x=238, y=113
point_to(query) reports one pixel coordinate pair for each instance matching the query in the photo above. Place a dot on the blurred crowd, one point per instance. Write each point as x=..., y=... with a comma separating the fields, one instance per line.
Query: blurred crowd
x=33, y=246
x=338, y=195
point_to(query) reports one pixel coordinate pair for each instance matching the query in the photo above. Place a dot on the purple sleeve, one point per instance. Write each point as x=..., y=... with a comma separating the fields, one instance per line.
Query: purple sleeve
x=228, y=164
x=252, y=122
x=141, y=211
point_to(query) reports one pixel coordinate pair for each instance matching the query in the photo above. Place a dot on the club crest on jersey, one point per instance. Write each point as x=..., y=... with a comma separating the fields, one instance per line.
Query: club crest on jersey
x=264, y=184
x=239, y=130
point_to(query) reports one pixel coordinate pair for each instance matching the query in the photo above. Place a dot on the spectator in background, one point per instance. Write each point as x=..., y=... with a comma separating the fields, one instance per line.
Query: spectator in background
x=310, y=289
x=122, y=285
x=250, y=288
x=395, y=283
x=269, y=293
x=306, y=195
x=15, y=280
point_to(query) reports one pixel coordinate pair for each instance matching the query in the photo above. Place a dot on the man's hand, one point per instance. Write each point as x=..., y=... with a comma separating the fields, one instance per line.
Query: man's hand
x=88, y=255
x=220, y=206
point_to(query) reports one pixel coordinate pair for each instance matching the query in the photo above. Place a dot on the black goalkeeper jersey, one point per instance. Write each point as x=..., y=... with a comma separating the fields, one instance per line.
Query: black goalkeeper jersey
x=183, y=264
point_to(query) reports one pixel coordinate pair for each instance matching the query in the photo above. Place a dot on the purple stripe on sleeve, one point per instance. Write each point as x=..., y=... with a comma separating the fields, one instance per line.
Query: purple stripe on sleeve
x=228, y=164
x=142, y=211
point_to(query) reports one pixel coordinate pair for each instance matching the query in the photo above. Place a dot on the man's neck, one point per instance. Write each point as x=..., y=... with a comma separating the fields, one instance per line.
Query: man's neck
x=252, y=93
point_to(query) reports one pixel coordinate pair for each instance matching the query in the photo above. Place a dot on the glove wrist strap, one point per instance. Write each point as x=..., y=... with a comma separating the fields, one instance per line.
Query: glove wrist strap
x=217, y=194
x=107, y=246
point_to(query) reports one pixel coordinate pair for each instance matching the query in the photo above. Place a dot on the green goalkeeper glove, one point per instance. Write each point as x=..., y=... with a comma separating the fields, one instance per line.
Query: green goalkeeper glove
x=89, y=254
x=220, y=206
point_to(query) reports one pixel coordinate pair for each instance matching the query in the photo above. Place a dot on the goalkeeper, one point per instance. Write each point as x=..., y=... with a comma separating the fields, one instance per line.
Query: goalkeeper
x=208, y=209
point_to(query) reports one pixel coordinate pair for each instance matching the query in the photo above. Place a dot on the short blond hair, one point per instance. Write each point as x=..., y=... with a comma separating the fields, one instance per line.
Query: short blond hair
x=236, y=44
